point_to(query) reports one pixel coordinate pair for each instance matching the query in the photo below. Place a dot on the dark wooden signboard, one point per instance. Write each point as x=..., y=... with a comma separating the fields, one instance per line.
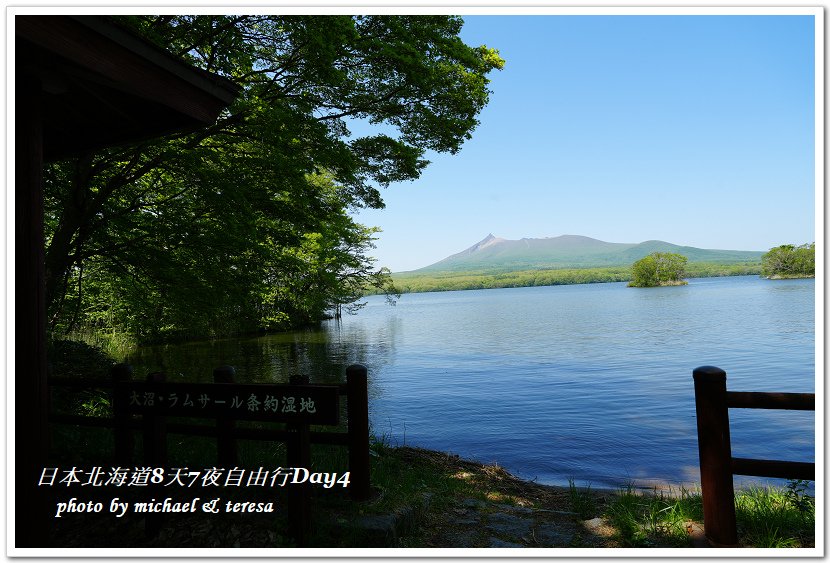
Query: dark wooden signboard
x=308, y=404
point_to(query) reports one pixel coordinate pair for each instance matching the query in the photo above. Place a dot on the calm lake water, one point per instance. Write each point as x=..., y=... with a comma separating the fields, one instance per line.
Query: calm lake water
x=590, y=382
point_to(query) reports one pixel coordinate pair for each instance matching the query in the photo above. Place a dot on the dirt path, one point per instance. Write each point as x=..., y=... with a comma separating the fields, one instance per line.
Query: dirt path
x=474, y=523
x=512, y=513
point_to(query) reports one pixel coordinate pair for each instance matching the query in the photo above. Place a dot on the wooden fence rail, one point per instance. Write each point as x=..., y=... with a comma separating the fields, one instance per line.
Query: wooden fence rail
x=147, y=407
x=717, y=466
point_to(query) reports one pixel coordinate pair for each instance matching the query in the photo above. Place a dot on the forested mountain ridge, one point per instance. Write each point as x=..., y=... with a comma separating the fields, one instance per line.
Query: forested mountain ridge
x=493, y=254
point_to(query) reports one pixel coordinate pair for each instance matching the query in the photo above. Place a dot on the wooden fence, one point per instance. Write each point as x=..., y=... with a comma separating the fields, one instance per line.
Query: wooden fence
x=146, y=406
x=717, y=466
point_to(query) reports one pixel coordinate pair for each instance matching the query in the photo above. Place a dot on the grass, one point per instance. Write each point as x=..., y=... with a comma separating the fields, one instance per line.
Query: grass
x=765, y=516
x=582, y=502
x=774, y=517
x=114, y=344
x=654, y=519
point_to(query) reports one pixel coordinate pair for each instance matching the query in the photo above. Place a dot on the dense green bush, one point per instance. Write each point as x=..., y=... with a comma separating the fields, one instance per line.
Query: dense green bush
x=788, y=261
x=659, y=268
x=70, y=358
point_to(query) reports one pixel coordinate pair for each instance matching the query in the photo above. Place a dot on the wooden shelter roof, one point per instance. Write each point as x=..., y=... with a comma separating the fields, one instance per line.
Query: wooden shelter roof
x=103, y=85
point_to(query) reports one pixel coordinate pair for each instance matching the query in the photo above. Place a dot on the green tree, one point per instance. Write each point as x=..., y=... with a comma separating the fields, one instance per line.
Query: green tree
x=658, y=268
x=329, y=270
x=212, y=231
x=789, y=261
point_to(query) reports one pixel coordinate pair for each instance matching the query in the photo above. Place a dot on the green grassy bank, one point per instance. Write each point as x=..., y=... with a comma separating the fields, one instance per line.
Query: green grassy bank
x=414, y=282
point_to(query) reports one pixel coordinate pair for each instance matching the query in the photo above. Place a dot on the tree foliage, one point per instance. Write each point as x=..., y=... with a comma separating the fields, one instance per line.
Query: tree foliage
x=415, y=282
x=658, y=268
x=789, y=261
x=245, y=224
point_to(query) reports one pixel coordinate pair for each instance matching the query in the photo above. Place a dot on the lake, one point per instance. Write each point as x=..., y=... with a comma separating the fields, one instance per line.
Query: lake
x=585, y=382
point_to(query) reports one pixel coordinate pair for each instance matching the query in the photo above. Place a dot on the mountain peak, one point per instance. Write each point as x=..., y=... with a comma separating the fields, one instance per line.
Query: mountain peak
x=487, y=241
x=493, y=253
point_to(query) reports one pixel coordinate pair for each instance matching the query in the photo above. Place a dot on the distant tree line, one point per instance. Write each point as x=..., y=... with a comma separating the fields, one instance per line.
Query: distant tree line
x=783, y=261
x=454, y=281
x=789, y=261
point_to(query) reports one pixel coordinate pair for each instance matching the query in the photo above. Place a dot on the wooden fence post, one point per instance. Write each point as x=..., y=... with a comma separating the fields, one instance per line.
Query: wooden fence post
x=298, y=449
x=715, y=456
x=122, y=433
x=226, y=448
x=155, y=455
x=358, y=413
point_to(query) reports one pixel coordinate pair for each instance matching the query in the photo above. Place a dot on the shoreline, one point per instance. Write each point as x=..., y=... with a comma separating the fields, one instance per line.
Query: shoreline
x=450, y=281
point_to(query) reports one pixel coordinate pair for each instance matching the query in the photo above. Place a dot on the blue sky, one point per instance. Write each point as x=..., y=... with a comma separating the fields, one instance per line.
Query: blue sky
x=697, y=130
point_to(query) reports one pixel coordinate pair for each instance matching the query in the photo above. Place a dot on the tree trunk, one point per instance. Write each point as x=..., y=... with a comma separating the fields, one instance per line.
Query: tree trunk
x=68, y=234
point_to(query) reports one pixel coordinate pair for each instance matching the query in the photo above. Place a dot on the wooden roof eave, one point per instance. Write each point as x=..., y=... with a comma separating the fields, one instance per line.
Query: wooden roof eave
x=95, y=73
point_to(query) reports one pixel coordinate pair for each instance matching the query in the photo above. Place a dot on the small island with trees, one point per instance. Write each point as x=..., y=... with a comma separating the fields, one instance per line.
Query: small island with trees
x=789, y=262
x=782, y=262
x=659, y=269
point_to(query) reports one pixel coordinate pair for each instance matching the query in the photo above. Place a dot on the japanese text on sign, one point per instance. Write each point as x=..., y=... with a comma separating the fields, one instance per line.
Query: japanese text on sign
x=314, y=404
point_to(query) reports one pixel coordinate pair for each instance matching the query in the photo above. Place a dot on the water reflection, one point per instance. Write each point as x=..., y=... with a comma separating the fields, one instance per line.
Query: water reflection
x=321, y=354
x=266, y=359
